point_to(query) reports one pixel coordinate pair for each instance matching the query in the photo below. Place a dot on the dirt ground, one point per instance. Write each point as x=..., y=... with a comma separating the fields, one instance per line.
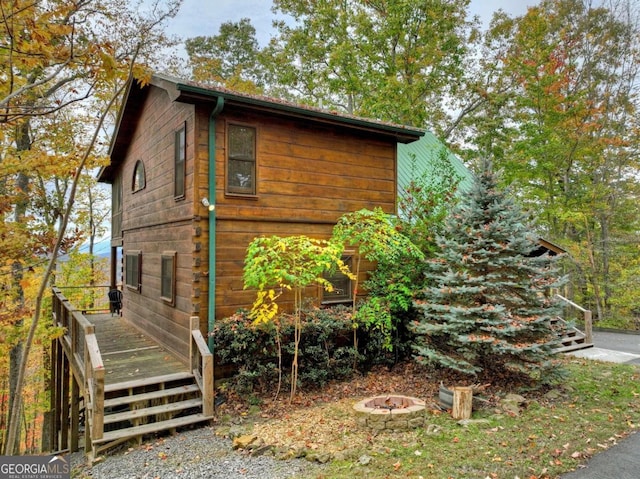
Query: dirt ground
x=323, y=420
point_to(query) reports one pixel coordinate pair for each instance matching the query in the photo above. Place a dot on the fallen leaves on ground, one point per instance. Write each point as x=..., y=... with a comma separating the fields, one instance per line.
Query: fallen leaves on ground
x=323, y=420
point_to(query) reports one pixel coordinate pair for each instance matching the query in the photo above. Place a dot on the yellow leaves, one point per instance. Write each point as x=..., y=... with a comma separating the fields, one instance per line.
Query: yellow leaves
x=108, y=63
x=265, y=307
x=40, y=35
x=142, y=74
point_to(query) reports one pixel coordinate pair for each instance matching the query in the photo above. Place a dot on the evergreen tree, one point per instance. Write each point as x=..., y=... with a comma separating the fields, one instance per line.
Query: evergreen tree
x=488, y=312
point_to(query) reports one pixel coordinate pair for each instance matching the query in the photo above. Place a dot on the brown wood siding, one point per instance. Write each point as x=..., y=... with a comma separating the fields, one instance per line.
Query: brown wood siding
x=307, y=177
x=155, y=222
x=309, y=173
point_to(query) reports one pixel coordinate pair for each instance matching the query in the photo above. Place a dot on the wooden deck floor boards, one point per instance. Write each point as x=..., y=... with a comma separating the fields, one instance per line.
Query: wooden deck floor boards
x=128, y=354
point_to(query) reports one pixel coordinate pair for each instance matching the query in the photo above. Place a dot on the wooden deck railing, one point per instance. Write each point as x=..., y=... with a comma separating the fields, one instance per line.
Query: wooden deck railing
x=586, y=315
x=94, y=384
x=202, y=366
x=87, y=298
x=81, y=347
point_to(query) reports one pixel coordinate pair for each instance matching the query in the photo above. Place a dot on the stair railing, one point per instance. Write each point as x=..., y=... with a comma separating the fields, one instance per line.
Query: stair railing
x=94, y=384
x=202, y=366
x=587, y=317
x=81, y=348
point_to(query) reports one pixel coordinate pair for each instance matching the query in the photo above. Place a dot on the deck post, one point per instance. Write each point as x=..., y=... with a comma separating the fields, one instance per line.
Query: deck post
x=57, y=373
x=588, y=327
x=207, y=381
x=94, y=384
x=53, y=391
x=64, y=420
x=75, y=414
x=194, y=323
x=202, y=365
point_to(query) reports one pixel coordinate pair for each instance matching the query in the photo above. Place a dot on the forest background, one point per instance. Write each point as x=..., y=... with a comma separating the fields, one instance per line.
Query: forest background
x=550, y=97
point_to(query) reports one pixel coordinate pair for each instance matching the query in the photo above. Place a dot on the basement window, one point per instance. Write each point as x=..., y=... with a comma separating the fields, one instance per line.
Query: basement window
x=342, y=287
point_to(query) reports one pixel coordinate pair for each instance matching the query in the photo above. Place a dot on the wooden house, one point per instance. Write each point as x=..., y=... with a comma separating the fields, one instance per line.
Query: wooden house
x=199, y=172
x=196, y=174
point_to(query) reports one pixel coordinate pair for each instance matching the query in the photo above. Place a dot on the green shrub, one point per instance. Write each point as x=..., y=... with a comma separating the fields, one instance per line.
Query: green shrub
x=249, y=348
x=325, y=353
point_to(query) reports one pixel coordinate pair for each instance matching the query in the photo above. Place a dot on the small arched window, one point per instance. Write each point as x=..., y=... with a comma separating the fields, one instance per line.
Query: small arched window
x=139, y=180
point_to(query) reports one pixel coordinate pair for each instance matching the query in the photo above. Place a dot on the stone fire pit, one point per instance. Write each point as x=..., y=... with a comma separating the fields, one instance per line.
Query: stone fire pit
x=390, y=412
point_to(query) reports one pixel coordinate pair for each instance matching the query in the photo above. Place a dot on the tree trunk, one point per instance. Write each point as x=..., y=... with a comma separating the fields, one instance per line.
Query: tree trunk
x=23, y=143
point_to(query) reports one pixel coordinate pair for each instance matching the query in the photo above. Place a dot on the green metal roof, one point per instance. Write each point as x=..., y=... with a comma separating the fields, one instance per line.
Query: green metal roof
x=416, y=158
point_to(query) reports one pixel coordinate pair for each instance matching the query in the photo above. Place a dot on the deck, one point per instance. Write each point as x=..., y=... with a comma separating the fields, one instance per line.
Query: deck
x=127, y=354
x=119, y=382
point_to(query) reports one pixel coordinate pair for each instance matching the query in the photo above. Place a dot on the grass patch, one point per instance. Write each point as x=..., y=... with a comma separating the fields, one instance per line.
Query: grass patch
x=597, y=405
x=622, y=323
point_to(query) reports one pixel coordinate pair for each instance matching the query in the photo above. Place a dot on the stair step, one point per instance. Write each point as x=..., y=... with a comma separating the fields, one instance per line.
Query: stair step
x=149, y=411
x=576, y=337
x=573, y=347
x=147, y=381
x=119, y=401
x=132, y=432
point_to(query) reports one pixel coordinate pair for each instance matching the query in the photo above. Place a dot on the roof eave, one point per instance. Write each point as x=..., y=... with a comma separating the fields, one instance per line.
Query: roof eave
x=402, y=134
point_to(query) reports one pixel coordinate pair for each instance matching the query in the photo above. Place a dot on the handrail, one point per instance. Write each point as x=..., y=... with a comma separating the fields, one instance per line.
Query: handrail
x=571, y=303
x=81, y=346
x=588, y=319
x=202, y=366
x=94, y=374
x=87, y=298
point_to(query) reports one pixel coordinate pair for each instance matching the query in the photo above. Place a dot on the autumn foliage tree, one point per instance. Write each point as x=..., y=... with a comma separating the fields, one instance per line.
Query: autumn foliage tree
x=559, y=116
x=397, y=61
x=56, y=56
x=488, y=312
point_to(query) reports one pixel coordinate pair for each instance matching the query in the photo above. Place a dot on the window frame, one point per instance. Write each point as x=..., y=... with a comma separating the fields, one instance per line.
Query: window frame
x=173, y=257
x=116, y=207
x=232, y=190
x=180, y=162
x=329, y=297
x=139, y=180
x=129, y=273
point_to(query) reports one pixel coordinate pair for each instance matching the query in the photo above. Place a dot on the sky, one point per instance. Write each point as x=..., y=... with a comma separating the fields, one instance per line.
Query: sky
x=204, y=17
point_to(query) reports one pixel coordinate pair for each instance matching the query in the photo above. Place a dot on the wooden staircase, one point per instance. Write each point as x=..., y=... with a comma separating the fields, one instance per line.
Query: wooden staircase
x=571, y=338
x=133, y=410
x=122, y=383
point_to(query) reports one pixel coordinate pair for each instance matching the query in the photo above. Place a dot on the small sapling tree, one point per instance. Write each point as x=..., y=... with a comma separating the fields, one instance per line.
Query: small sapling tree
x=275, y=264
x=377, y=240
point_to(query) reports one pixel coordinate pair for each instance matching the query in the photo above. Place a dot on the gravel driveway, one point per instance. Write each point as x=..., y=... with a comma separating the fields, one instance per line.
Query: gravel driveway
x=197, y=453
